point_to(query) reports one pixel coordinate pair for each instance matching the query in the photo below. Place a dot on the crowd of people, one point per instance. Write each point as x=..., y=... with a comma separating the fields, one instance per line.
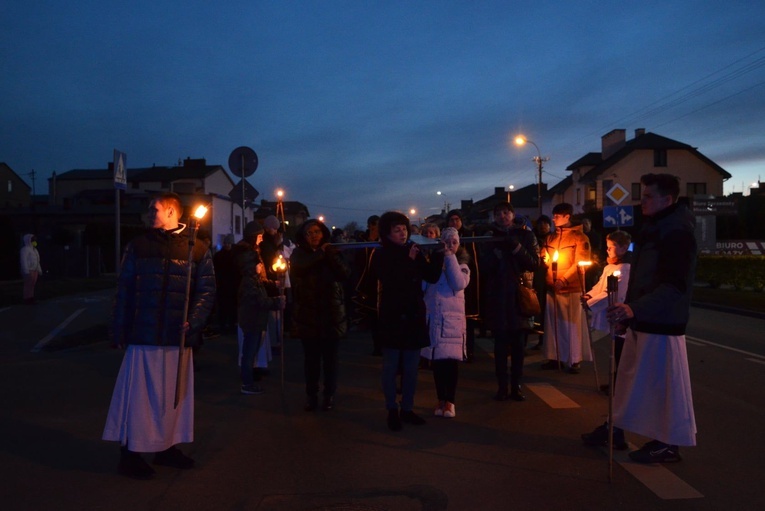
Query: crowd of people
x=421, y=302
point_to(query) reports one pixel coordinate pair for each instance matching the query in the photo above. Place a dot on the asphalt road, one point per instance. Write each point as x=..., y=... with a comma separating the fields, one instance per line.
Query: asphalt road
x=265, y=453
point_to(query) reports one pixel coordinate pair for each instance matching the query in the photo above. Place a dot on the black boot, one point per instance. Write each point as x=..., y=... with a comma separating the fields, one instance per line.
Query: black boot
x=328, y=403
x=515, y=394
x=394, y=420
x=173, y=457
x=133, y=465
x=311, y=404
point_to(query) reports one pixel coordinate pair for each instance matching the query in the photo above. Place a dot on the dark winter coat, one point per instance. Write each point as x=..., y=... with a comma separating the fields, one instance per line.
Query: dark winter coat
x=501, y=263
x=317, y=286
x=662, y=272
x=255, y=294
x=400, y=304
x=151, y=292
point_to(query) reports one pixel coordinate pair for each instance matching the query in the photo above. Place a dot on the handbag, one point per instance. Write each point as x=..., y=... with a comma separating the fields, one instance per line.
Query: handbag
x=528, y=302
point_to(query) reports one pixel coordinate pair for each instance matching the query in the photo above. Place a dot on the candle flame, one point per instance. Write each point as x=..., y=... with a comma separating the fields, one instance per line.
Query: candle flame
x=555, y=257
x=582, y=264
x=279, y=264
x=200, y=212
x=617, y=273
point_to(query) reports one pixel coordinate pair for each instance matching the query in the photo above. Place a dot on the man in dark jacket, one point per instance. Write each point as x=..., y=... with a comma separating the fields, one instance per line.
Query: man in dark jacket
x=502, y=263
x=653, y=392
x=148, y=321
x=318, y=272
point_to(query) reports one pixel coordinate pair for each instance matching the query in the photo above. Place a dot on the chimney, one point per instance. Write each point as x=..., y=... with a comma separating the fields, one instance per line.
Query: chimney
x=194, y=162
x=639, y=132
x=612, y=142
x=499, y=191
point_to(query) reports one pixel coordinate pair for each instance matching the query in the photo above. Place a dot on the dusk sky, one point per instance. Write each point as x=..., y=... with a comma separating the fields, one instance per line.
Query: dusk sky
x=357, y=107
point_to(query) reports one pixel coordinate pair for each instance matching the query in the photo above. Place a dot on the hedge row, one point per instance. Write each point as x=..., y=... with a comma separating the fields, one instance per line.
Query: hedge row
x=738, y=271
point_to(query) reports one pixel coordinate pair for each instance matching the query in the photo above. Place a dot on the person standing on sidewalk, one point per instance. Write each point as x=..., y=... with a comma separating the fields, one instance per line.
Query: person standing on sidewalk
x=31, y=270
x=148, y=322
x=399, y=267
x=319, y=271
x=653, y=395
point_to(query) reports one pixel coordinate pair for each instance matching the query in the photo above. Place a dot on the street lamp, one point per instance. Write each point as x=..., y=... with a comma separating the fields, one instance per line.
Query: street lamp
x=521, y=140
x=510, y=188
x=446, y=203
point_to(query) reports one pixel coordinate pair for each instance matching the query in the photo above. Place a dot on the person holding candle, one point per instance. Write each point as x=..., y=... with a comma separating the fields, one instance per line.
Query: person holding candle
x=596, y=299
x=564, y=327
x=653, y=395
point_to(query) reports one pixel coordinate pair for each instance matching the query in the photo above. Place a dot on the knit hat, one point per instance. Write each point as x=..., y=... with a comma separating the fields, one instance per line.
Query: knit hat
x=271, y=222
x=252, y=229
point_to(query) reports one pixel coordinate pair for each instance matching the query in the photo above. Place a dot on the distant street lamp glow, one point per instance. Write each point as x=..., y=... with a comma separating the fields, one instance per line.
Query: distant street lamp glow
x=446, y=202
x=321, y=218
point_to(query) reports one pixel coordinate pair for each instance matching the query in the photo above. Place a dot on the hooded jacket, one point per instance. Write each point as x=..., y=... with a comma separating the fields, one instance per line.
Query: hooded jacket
x=662, y=272
x=29, y=258
x=317, y=285
x=572, y=245
x=151, y=292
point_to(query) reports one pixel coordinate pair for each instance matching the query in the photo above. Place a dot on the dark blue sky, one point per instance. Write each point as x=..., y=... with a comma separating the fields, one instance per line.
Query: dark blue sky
x=357, y=107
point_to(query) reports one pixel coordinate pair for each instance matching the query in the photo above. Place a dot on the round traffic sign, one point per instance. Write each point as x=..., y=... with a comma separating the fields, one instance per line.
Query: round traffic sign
x=243, y=161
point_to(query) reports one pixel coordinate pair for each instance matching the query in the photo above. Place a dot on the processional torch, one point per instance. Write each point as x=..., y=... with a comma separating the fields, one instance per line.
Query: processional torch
x=612, y=286
x=280, y=267
x=582, y=267
x=180, y=376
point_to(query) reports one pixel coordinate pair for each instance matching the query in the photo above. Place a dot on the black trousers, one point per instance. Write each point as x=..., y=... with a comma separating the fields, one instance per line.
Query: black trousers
x=320, y=354
x=445, y=375
x=510, y=343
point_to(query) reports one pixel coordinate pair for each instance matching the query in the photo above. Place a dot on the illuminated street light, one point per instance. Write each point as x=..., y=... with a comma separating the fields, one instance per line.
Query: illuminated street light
x=321, y=218
x=510, y=188
x=520, y=141
x=446, y=203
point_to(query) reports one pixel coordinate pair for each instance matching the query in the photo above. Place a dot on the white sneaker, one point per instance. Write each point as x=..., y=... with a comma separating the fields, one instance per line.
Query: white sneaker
x=439, y=412
x=450, y=410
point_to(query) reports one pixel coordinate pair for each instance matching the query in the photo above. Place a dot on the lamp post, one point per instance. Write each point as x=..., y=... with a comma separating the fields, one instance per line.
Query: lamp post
x=446, y=202
x=510, y=188
x=521, y=140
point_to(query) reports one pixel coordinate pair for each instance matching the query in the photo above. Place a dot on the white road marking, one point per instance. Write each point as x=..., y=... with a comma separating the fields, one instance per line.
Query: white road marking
x=703, y=342
x=45, y=340
x=552, y=396
x=663, y=482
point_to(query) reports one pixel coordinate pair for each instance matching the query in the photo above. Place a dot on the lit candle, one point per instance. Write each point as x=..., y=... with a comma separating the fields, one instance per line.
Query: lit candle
x=555, y=266
x=583, y=265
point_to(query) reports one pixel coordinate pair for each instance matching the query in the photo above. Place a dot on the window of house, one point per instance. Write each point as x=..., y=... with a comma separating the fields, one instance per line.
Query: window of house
x=10, y=186
x=238, y=225
x=592, y=193
x=659, y=157
x=635, y=191
x=695, y=189
x=578, y=196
